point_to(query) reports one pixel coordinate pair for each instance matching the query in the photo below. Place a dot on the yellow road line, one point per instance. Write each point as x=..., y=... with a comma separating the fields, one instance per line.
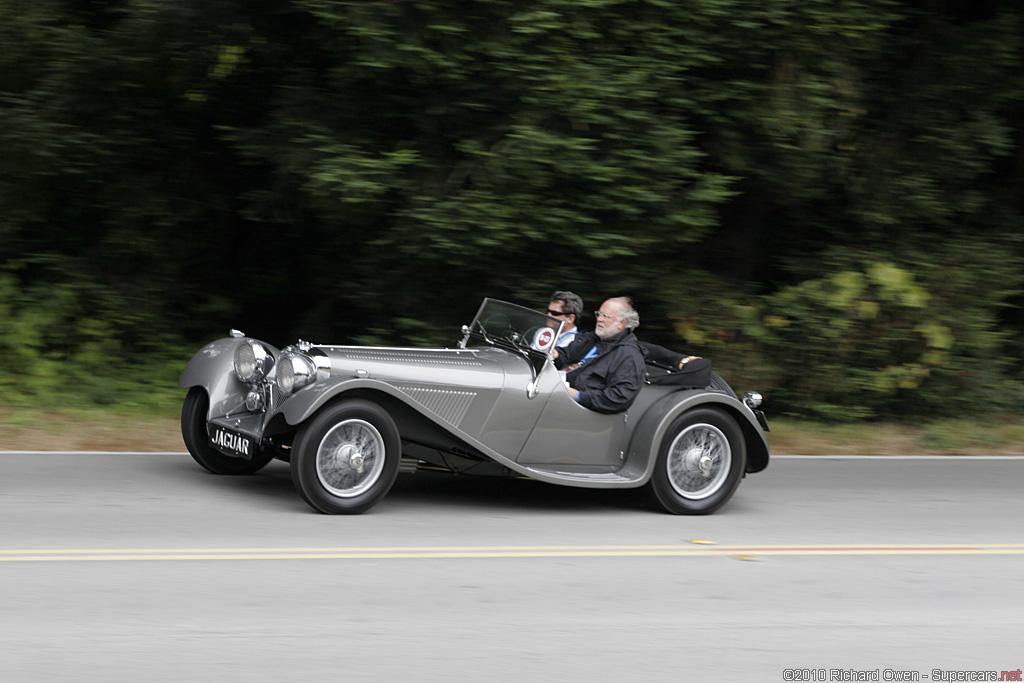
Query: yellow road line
x=465, y=552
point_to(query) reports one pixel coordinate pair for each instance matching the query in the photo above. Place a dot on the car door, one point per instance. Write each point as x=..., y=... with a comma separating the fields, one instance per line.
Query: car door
x=569, y=434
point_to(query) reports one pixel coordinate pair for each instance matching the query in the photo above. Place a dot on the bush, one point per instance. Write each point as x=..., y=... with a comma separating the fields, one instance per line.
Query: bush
x=854, y=344
x=872, y=339
x=69, y=342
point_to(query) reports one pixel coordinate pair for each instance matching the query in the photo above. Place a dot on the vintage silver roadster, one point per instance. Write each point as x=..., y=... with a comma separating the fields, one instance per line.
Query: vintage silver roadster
x=349, y=419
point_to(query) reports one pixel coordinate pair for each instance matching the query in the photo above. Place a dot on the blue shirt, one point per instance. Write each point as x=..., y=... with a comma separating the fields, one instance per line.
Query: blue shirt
x=567, y=338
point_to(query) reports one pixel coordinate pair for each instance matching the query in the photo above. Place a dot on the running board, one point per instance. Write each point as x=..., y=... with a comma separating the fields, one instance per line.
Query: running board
x=595, y=479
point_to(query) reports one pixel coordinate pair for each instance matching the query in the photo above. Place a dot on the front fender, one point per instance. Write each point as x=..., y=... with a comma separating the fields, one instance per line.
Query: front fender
x=213, y=368
x=416, y=421
x=305, y=402
x=648, y=434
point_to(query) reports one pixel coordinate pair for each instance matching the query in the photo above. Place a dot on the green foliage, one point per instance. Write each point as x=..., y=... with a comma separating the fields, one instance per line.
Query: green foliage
x=493, y=136
x=871, y=339
x=72, y=343
x=822, y=195
x=855, y=343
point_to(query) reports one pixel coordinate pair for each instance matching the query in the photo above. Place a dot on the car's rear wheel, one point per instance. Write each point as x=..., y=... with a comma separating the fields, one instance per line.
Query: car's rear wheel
x=346, y=458
x=700, y=462
x=197, y=440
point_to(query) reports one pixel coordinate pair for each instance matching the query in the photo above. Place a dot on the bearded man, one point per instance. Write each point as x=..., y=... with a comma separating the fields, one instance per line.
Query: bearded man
x=605, y=368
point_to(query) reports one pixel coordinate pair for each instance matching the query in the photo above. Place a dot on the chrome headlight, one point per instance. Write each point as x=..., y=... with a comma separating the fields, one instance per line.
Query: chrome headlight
x=253, y=361
x=752, y=399
x=294, y=372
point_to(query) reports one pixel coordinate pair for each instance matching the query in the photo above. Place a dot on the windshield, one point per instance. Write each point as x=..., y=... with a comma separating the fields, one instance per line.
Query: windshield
x=505, y=324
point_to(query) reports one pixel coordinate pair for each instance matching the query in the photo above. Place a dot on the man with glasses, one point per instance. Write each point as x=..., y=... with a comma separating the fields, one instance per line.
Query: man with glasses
x=567, y=307
x=605, y=368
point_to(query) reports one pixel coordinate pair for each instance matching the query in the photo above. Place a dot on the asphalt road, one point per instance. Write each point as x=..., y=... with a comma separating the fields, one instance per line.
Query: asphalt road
x=130, y=567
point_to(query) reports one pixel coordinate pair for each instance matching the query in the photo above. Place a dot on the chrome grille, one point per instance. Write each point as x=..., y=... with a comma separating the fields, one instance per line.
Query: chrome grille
x=277, y=396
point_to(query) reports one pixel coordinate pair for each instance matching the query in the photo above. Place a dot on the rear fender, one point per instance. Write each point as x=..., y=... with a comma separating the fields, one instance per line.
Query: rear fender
x=653, y=427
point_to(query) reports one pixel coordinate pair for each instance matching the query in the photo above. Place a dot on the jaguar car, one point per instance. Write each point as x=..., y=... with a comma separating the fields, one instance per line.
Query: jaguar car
x=350, y=419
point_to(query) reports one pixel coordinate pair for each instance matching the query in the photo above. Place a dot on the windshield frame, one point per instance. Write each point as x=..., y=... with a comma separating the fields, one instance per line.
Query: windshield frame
x=511, y=327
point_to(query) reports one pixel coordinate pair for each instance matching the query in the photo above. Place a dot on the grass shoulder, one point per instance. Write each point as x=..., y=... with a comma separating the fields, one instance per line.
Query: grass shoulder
x=89, y=429
x=993, y=435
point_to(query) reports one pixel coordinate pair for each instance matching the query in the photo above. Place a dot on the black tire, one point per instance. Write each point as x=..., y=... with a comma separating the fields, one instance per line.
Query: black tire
x=346, y=458
x=700, y=462
x=197, y=440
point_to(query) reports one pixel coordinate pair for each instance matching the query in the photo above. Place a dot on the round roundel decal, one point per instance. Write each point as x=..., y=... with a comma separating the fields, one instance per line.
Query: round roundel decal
x=543, y=339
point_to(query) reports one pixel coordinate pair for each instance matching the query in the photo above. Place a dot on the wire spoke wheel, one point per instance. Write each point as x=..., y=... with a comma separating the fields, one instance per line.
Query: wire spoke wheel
x=350, y=458
x=345, y=459
x=700, y=462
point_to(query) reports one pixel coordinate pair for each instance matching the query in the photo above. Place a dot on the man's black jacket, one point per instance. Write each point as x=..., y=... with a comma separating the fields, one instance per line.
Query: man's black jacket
x=609, y=381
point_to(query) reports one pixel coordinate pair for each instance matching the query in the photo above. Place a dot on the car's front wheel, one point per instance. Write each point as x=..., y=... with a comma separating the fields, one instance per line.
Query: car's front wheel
x=193, y=432
x=346, y=458
x=700, y=462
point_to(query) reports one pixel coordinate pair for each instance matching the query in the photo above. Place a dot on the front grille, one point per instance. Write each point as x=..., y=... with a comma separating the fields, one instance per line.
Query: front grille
x=277, y=396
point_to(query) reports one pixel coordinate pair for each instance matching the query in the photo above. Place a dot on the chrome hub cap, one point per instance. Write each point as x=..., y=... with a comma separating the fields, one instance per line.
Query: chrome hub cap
x=704, y=464
x=350, y=458
x=698, y=461
x=356, y=461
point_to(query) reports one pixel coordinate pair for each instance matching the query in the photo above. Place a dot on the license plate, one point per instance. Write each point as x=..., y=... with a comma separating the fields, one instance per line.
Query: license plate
x=232, y=443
